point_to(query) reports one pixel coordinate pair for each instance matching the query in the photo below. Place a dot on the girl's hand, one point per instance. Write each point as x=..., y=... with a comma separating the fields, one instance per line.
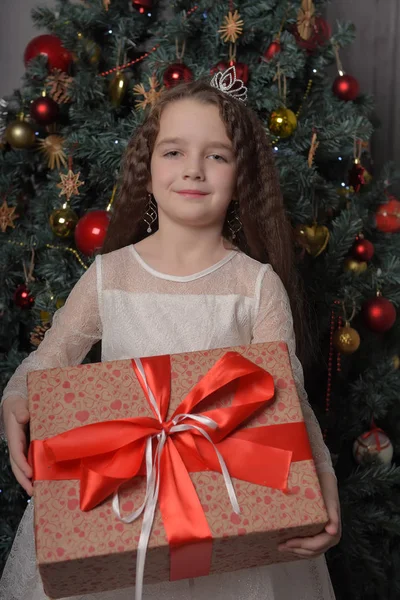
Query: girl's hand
x=311, y=547
x=16, y=419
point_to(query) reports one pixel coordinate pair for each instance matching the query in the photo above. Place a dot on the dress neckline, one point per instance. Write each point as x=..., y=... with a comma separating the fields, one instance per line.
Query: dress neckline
x=183, y=278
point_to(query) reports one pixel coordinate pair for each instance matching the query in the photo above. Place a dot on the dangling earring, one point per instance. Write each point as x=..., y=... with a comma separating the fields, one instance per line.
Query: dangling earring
x=234, y=223
x=151, y=213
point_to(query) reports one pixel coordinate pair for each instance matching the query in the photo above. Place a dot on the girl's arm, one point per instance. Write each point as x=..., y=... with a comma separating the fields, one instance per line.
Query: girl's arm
x=76, y=327
x=274, y=322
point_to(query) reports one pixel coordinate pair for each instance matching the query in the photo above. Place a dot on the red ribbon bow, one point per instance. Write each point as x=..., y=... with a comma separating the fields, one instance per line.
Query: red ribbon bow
x=105, y=455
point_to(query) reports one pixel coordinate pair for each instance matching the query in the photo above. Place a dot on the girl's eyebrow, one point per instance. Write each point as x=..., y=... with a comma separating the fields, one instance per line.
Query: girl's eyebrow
x=177, y=140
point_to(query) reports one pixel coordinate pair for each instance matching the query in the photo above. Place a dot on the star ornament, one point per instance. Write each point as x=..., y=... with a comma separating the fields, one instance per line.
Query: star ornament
x=306, y=19
x=232, y=27
x=7, y=216
x=52, y=148
x=69, y=184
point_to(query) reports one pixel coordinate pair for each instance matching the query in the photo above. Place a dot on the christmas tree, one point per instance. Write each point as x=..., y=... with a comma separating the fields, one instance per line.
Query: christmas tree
x=62, y=138
x=346, y=218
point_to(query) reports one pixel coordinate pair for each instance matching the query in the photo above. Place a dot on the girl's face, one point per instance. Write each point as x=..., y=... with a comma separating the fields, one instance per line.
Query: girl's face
x=193, y=167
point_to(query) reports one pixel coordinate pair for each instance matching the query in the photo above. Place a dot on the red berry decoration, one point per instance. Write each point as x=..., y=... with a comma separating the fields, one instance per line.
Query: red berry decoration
x=142, y=6
x=177, y=73
x=91, y=230
x=358, y=176
x=22, y=297
x=379, y=314
x=44, y=110
x=242, y=70
x=273, y=49
x=58, y=57
x=346, y=87
x=363, y=250
x=320, y=35
x=388, y=216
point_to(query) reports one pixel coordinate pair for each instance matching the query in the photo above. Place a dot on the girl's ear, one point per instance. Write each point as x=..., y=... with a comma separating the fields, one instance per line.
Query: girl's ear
x=149, y=187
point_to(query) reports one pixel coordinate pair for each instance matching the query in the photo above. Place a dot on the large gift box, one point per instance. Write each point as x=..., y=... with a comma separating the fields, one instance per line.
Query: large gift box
x=175, y=466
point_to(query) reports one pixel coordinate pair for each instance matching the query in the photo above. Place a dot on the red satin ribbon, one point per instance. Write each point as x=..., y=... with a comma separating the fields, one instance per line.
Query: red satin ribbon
x=260, y=455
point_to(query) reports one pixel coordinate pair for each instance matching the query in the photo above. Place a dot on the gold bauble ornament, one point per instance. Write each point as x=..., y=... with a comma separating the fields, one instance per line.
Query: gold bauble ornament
x=45, y=316
x=351, y=265
x=314, y=238
x=118, y=87
x=346, y=339
x=19, y=134
x=92, y=49
x=282, y=122
x=396, y=361
x=63, y=222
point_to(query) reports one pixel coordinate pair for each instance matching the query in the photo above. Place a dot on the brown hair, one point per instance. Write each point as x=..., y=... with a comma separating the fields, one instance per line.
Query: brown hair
x=266, y=234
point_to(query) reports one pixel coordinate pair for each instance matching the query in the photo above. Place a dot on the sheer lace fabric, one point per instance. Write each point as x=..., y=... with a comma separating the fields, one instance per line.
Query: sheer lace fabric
x=137, y=311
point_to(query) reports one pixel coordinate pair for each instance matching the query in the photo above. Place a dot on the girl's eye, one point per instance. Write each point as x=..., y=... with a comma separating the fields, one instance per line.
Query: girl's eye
x=218, y=157
x=172, y=153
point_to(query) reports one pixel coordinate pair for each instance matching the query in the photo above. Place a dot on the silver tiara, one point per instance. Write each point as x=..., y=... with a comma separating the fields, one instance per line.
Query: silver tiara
x=228, y=83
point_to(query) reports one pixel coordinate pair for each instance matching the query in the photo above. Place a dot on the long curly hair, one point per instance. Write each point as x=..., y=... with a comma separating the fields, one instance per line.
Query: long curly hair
x=266, y=234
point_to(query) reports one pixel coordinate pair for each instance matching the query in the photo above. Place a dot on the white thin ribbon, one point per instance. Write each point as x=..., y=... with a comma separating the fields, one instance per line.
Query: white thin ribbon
x=153, y=479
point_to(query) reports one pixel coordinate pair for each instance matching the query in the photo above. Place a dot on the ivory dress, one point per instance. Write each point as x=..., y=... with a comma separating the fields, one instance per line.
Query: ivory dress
x=137, y=311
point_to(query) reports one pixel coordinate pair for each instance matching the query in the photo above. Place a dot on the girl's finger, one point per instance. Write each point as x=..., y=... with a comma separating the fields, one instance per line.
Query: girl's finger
x=21, y=461
x=332, y=528
x=21, y=478
x=332, y=507
x=317, y=543
x=304, y=553
x=21, y=415
x=17, y=446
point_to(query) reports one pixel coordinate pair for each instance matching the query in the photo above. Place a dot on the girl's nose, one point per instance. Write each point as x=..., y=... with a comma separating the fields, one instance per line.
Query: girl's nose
x=193, y=169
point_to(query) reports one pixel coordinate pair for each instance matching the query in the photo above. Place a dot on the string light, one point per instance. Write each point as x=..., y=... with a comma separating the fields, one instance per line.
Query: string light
x=53, y=247
x=309, y=86
x=330, y=360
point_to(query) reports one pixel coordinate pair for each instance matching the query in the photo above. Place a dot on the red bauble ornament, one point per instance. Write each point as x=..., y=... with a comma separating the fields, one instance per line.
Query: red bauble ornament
x=58, y=57
x=346, y=87
x=91, y=230
x=273, y=49
x=177, y=73
x=142, y=6
x=320, y=35
x=388, y=216
x=242, y=70
x=22, y=297
x=44, y=110
x=363, y=250
x=379, y=314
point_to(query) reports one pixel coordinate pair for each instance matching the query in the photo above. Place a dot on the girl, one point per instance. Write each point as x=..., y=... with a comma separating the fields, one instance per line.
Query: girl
x=197, y=256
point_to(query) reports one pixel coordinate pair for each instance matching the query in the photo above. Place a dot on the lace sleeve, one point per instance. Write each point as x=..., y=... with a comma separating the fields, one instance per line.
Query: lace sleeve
x=274, y=322
x=75, y=328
